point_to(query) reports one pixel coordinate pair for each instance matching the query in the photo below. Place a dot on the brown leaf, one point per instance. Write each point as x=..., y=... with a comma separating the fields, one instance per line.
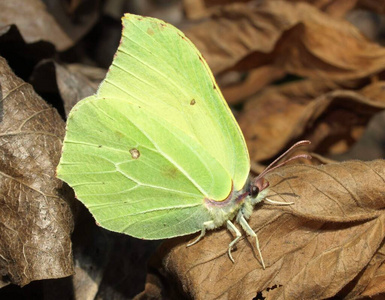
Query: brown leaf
x=313, y=110
x=35, y=220
x=377, y=282
x=371, y=281
x=294, y=36
x=71, y=82
x=336, y=8
x=196, y=9
x=255, y=81
x=237, y=30
x=34, y=22
x=312, y=249
x=76, y=17
x=314, y=49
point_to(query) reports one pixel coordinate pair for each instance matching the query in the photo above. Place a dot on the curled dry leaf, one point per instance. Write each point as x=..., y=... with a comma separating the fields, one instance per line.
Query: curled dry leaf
x=308, y=109
x=312, y=249
x=34, y=22
x=256, y=80
x=239, y=29
x=294, y=36
x=332, y=49
x=35, y=219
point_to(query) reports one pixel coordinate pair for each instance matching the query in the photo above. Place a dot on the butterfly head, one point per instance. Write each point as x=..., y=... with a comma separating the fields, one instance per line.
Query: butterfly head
x=260, y=183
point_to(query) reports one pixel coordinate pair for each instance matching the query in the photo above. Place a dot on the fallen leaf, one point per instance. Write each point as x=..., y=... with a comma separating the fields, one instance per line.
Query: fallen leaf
x=196, y=9
x=237, y=30
x=71, y=82
x=318, y=49
x=35, y=219
x=270, y=117
x=255, y=81
x=312, y=249
x=76, y=18
x=336, y=8
x=308, y=109
x=370, y=282
x=296, y=37
x=40, y=26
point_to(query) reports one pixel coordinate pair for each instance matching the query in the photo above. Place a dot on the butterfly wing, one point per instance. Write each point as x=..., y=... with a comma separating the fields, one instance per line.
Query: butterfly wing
x=156, y=139
x=158, y=67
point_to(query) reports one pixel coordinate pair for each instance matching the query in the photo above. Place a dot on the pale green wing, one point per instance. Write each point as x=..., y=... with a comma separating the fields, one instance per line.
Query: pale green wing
x=156, y=66
x=135, y=172
x=156, y=140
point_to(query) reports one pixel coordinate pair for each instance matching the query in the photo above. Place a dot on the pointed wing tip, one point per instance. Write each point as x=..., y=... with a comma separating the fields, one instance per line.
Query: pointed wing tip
x=133, y=17
x=128, y=16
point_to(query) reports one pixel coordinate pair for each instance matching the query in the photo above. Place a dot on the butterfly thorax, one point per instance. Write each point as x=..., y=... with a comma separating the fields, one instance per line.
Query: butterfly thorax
x=237, y=203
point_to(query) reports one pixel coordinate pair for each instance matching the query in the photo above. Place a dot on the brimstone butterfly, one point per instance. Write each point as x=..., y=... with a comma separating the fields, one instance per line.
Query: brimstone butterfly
x=157, y=153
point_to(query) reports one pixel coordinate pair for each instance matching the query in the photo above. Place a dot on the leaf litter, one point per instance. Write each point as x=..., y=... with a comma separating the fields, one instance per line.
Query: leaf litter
x=312, y=249
x=35, y=219
x=330, y=242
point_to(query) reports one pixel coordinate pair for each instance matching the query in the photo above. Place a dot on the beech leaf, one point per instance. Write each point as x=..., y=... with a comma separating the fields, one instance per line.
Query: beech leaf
x=296, y=37
x=313, y=249
x=35, y=219
x=307, y=109
x=15, y=12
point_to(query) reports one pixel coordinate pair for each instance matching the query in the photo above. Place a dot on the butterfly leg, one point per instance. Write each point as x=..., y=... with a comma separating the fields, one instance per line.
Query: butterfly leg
x=246, y=227
x=232, y=228
x=206, y=225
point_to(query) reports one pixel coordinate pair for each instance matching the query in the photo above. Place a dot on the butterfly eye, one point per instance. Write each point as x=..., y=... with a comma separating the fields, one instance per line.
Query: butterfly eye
x=254, y=191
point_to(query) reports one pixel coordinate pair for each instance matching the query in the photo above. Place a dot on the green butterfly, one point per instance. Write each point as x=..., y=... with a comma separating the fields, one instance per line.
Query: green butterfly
x=157, y=153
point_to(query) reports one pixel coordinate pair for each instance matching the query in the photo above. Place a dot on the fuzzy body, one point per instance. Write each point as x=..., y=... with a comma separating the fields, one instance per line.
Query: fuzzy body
x=238, y=203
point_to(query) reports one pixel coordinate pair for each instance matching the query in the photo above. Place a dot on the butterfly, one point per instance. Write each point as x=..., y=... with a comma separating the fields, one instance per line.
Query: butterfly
x=156, y=153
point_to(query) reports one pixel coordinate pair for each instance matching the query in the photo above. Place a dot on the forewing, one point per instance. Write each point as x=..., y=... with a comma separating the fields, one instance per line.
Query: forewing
x=157, y=67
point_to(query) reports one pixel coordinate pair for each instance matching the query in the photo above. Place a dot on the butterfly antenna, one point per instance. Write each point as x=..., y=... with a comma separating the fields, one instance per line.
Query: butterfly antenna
x=271, y=166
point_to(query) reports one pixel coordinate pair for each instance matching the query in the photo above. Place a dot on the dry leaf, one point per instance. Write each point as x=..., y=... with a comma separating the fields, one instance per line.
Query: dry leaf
x=329, y=49
x=196, y=9
x=294, y=36
x=270, y=118
x=71, y=82
x=35, y=219
x=239, y=29
x=34, y=22
x=336, y=8
x=76, y=17
x=370, y=145
x=313, y=110
x=255, y=81
x=371, y=281
x=312, y=249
